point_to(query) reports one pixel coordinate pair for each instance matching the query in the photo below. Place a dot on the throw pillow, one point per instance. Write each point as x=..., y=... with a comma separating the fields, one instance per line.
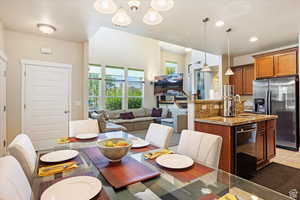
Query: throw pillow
x=127, y=115
x=156, y=112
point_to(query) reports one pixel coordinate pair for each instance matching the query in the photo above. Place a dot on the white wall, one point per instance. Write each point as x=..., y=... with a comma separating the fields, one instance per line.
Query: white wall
x=1, y=36
x=118, y=48
x=173, y=57
x=27, y=46
x=243, y=60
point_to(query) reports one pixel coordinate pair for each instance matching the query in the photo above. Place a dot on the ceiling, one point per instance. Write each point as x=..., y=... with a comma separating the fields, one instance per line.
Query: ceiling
x=275, y=22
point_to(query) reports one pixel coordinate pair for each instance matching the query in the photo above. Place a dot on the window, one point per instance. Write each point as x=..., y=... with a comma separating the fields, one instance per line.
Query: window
x=94, y=78
x=135, y=88
x=170, y=67
x=114, y=87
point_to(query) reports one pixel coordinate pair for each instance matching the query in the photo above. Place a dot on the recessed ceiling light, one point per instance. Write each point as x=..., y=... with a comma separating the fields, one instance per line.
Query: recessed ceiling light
x=46, y=28
x=220, y=23
x=188, y=49
x=253, y=39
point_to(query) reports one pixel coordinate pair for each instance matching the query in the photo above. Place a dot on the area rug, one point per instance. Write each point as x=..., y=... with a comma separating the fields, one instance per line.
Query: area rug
x=278, y=177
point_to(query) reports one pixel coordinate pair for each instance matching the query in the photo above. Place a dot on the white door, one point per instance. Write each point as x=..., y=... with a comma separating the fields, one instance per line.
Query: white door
x=2, y=107
x=46, y=103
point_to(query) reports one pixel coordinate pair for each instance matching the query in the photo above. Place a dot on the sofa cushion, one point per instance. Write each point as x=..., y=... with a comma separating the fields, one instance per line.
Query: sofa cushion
x=114, y=114
x=156, y=112
x=139, y=112
x=114, y=127
x=127, y=115
x=139, y=119
x=148, y=112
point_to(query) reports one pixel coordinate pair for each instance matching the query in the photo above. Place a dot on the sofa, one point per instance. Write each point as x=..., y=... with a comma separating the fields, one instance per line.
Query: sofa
x=141, y=121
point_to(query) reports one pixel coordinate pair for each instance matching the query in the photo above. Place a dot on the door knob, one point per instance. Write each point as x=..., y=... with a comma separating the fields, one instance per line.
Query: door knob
x=66, y=111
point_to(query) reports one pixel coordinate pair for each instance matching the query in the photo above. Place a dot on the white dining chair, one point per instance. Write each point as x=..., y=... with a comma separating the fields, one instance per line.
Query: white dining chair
x=23, y=150
x=159, y=135
x=13, y=182
x=83, y=126
x=201, y=147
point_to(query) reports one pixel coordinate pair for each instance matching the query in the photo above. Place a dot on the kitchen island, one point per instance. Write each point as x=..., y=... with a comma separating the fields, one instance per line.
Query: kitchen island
x=264, y=145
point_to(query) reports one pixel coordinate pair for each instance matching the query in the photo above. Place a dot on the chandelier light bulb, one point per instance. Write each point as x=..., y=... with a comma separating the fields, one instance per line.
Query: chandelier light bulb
x=152, y=17
x=162, y=5
x=121, y=18
x=134, y=4
x=105, y=6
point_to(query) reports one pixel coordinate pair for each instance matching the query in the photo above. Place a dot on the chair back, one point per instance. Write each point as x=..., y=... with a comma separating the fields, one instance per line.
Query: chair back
x=202, y=147
x=159, y=135
x=13, y=182
x=23, y=150
x=83, y=126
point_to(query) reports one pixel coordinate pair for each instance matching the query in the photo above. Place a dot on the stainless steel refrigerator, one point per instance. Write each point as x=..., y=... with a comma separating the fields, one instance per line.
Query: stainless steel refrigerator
x=279, y=96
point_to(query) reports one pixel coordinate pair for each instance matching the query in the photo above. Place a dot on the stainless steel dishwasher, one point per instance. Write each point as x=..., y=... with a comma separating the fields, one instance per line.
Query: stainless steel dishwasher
x=245, y=150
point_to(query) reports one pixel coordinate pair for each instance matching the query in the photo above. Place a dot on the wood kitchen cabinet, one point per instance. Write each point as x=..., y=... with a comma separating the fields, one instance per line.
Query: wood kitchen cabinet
x=264, y=67
x=265, y=141
x=242, y=79
x=285, y=64
x=271, y=139
x=276, y=64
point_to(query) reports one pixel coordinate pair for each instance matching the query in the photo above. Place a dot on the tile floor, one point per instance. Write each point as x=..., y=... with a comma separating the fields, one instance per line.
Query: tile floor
x=289, y=158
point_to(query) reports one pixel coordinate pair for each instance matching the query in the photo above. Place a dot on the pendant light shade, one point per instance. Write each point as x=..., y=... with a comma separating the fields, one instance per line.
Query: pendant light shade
x=162, y=5
x=121, y=18
x=205, y=66
x=105, y=6
x=229, y=71
x=152, y=17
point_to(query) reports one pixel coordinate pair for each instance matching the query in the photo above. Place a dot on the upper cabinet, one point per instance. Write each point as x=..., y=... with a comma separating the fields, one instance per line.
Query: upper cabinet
x=242, y=79
x=276, y=64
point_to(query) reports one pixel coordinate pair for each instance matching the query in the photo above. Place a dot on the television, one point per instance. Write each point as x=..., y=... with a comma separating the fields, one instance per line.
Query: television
x=171, y=84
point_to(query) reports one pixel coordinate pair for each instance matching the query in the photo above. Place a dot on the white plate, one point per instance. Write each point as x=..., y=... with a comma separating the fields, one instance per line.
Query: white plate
x=174, y=161
x=86, y=136
x=75, y=188
x=59, y=156
x=139, y=143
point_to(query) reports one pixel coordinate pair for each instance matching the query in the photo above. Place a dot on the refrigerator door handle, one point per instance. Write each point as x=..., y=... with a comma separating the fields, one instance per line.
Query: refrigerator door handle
x=267, y=102
x=270, y=102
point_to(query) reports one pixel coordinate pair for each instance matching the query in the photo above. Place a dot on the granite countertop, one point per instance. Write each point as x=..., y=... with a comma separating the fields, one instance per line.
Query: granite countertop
x=241, y=119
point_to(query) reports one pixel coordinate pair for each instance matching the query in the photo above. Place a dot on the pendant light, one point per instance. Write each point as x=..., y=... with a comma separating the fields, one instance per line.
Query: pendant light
x=152, y=17
x=205, y=66
x=229, y=71
x=162, y=5
x=121, y=18
x=105, y=6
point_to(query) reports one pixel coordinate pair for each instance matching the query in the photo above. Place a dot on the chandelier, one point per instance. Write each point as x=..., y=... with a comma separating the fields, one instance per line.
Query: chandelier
x=121, y=18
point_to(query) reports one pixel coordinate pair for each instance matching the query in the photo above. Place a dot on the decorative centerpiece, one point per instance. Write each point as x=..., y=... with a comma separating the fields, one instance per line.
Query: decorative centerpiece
x=114, y=149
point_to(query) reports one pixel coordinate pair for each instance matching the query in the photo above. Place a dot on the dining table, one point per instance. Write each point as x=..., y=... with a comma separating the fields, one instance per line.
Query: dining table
x=169, y=185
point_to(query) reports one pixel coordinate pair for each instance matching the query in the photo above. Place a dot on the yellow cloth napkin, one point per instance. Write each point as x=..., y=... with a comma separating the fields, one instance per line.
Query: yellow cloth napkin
x=153, y=155
x=228, y=196
x=54, y=169
x=63, y=140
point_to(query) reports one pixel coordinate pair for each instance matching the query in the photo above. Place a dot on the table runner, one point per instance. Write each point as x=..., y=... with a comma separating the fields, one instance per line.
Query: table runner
x=43, y=186
x=120, y=174
x=185, y=175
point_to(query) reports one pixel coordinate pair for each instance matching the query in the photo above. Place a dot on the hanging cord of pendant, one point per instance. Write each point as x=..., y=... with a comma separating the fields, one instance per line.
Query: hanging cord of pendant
x=228, y=45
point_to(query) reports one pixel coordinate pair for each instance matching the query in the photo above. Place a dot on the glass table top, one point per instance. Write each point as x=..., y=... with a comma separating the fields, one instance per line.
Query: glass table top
x=209, y=186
